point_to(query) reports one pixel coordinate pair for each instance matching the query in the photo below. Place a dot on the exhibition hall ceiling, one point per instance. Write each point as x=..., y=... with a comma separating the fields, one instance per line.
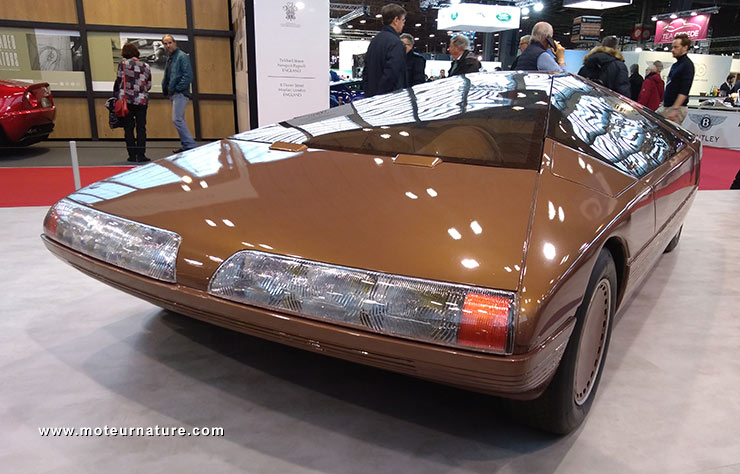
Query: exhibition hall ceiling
x=618, y=21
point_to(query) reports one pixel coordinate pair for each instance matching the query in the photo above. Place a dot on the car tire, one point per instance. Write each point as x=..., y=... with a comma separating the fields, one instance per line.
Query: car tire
x=568, y=398
x=674, y=241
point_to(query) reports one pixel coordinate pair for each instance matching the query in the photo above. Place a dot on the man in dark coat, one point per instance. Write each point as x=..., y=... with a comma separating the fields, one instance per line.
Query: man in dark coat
x=635, y=81
x=385, y=60
x=727, y=85
x=415, y=62
x=605, y=65
x=463, y=61
x=523, y=44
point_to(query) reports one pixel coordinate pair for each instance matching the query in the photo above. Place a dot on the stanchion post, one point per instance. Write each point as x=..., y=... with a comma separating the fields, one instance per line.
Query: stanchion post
x=75, y=163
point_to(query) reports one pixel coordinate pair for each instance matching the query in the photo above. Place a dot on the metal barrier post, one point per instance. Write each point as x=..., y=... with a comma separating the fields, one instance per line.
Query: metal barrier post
x=75, y=163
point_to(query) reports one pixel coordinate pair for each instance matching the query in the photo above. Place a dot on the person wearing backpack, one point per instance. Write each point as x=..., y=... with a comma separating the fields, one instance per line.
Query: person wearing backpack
x=605, y=65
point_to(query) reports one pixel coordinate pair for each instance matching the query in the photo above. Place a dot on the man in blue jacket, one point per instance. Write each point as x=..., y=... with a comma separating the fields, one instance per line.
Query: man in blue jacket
x=176, y=85
x=385, y=60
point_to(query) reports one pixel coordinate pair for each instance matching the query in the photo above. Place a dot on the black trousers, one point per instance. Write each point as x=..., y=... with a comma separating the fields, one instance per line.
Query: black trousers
x=136, y=119
x=736, y=184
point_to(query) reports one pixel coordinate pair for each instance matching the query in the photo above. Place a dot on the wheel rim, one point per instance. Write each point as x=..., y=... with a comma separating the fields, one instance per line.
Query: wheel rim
x=592, y=342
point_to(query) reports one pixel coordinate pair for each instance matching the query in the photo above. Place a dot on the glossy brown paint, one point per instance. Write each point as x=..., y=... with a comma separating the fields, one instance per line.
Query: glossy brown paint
x=542, y=233
x=518, y=376
x=341, y=208
x=561, y=253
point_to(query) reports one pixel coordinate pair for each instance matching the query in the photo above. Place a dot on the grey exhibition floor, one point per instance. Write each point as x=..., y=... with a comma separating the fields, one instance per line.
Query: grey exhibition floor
x=76, y=353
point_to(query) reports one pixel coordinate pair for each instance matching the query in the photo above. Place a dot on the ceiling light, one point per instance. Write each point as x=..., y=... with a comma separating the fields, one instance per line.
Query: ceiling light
x=538, y=7
x=673, y=16
x=363, y=21
x=336, y=30
x=417, y=25
x=596, y=4
x=525, y=11
x=638, y=50
x=654, y=18
x=694, y=13
x=378, y=16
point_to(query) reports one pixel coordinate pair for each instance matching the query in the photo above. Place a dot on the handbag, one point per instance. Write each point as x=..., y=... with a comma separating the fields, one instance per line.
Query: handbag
x=113, y=121
x=121, y=108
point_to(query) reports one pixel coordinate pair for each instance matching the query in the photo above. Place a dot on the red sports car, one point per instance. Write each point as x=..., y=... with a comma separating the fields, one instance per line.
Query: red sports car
x=26, y=112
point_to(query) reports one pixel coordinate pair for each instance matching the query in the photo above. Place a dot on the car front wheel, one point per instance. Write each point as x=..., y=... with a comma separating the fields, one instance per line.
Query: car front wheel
x=568, y=398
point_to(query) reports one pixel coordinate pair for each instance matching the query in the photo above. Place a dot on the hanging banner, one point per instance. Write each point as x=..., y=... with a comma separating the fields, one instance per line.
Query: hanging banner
x=478, y=18
x=693, y=26
x=586, y=29
x=292, y=58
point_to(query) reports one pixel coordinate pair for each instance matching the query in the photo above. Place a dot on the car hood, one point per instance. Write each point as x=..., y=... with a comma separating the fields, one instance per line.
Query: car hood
x=451, y=222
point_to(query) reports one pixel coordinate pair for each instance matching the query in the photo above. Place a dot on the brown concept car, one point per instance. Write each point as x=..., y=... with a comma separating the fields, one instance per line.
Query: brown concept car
x=479, y=231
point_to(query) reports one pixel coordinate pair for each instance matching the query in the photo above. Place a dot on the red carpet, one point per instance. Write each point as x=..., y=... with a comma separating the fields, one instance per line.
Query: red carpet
x=45, y=186
x=718, y=168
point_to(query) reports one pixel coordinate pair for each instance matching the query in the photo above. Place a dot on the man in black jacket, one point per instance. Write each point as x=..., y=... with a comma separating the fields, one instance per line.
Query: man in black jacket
x=605, y=65
x=464, y=61
x=385, y=60
x=415, y=62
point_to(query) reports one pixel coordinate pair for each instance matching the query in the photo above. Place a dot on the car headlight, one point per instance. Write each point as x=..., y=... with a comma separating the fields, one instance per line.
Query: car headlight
x=430, y=311
x=127, y=244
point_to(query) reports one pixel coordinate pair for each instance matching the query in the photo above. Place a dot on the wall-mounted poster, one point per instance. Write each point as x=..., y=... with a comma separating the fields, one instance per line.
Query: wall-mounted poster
x=53, y=56
x=105, y=55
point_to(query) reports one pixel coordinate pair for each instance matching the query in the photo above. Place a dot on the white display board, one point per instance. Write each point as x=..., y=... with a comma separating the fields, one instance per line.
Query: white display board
x=292, y=58
x=714, y=127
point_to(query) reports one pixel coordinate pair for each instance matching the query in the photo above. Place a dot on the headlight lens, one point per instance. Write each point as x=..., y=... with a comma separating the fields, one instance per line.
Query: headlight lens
x=442, y=313
x=127, y=244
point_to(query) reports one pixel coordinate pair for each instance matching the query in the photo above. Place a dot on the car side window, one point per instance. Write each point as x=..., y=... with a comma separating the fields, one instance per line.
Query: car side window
x=608, y=128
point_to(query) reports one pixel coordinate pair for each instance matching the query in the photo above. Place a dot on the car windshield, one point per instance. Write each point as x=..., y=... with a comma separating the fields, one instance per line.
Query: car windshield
x=495, y=119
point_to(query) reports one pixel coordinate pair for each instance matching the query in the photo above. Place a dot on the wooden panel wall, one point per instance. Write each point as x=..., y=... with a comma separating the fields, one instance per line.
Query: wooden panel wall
x=158, y=120
x=213, y=64
x=211, y=14
x=216, y=118
x=72, y=120
x=159, y=13
x=59, y=11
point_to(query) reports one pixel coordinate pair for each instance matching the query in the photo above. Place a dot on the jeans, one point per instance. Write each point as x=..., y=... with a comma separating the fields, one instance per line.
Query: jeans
x=136, y=118
x=179, y=102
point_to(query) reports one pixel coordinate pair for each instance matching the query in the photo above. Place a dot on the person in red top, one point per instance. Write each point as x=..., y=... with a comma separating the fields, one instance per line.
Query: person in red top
x=651, y=94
